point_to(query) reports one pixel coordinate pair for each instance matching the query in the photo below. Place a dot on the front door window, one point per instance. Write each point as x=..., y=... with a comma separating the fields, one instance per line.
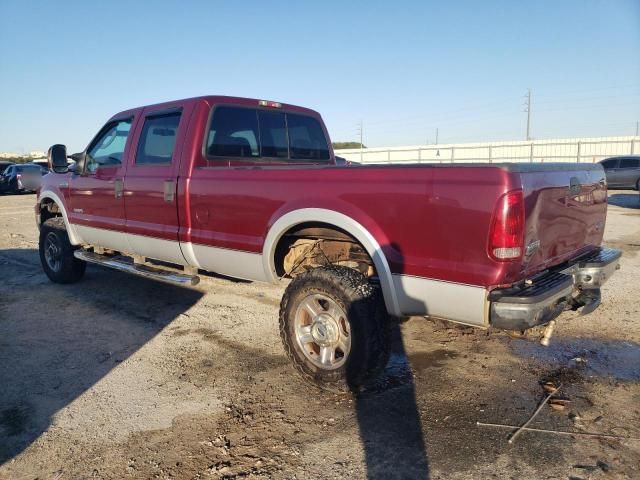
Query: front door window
x=108, y=149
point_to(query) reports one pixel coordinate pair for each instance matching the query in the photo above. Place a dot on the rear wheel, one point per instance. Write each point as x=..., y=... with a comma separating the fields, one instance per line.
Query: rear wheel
x=56, y=253
x=333, y=324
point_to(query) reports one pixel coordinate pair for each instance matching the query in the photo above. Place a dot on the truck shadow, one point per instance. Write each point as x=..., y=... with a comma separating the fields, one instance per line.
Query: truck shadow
x=389, y=419
x=56, y=341
x=388, y=416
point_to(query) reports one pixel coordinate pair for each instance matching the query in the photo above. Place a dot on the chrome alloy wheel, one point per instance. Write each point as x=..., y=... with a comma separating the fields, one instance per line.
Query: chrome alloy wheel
x=53, y=252
x=322, y=331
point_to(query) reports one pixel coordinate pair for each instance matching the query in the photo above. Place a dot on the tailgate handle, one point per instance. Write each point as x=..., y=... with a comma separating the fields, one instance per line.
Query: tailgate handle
x=169, y=190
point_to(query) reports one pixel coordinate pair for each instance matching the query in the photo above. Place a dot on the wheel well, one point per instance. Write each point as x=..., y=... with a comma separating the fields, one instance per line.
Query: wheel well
x=312, y=244
x=49, y=209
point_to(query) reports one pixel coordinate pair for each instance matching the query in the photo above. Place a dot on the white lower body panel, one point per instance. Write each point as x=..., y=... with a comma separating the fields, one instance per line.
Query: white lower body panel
x=458, y=302
x=232, y=263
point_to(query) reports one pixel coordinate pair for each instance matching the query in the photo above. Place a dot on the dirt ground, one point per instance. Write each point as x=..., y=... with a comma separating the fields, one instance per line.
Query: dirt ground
x=120, y=377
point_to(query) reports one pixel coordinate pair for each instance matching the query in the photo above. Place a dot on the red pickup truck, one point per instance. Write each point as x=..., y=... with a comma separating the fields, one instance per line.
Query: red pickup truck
x=251, y=189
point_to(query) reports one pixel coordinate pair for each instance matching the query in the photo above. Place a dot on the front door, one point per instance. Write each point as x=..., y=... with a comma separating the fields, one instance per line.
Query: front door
x=97, y=204
x=150, y=195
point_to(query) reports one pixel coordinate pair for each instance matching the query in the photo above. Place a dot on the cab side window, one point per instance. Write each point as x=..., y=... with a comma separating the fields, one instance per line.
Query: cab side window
x=243, y=132
x=108, y=148
x=609, y=164
x=158, y=139
x=233, y=133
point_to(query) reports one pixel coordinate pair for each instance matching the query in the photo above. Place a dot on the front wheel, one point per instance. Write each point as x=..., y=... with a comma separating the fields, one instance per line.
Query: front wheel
x=56, y=253
x=334, y=327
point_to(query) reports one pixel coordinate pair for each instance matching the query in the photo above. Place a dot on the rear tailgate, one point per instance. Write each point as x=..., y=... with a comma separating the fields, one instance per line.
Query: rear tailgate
x=565, y=211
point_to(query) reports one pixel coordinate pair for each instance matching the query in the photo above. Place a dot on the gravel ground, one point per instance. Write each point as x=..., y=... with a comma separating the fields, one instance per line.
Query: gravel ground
x=120, y=377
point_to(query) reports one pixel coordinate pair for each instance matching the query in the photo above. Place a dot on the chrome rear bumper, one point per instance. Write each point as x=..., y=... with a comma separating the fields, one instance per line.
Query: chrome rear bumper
x=545, y=296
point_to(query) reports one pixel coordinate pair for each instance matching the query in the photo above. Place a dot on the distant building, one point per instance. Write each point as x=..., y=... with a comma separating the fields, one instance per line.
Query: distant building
x=30, y=155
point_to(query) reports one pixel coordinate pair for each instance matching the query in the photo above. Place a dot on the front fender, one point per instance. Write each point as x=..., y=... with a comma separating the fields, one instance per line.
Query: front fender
x=56, y=197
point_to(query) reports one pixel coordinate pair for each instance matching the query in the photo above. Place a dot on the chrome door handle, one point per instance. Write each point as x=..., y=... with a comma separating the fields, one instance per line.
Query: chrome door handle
x=169, y=190
x=118, y=187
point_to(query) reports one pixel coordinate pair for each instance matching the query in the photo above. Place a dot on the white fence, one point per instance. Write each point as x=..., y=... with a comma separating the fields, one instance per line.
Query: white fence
x=589, y=150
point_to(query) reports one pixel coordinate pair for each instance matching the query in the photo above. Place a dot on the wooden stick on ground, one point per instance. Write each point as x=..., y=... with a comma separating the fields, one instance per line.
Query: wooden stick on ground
x=517, y=432
x=559, y=432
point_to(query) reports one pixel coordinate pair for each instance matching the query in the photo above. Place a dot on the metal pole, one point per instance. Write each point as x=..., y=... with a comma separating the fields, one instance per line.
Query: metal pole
x=637, y=128
x=489, y=153
x=528, y=113
x=361, y=141
x=453, y=154
x=437, y=133
x=579, y=145
x=531, y=153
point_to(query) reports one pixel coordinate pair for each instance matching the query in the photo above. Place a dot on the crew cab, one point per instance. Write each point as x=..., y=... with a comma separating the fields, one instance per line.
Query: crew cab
x=251, y=189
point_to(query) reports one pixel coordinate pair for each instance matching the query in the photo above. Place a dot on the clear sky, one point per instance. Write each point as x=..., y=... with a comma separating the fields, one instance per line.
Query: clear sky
x=404, y=68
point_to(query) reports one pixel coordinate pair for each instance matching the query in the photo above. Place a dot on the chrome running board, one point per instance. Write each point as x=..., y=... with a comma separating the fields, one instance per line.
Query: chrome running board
x=142, y=270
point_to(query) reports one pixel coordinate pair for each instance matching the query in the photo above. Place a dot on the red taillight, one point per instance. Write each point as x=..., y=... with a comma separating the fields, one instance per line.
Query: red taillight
x=506, y=237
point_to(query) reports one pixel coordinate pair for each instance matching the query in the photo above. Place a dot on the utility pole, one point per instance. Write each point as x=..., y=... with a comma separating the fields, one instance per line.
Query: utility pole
x=637, y=128
x=360, y=131
x=527, y=107
x=436, y=136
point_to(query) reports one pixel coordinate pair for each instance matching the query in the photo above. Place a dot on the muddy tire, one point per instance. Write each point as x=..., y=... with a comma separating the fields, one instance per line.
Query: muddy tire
x=334, y=327
x=56, y=253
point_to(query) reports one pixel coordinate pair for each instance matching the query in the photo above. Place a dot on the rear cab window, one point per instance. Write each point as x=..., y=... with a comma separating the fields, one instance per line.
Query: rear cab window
x=263, y=135
x=273, y=135
x=306, y=138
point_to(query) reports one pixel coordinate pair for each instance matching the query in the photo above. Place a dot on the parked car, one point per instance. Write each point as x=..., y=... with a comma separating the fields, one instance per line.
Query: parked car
x=250, y=189
x=20, y=178
x=43, y=164
x=4, y=165
x=341, y=161
x=622, y=172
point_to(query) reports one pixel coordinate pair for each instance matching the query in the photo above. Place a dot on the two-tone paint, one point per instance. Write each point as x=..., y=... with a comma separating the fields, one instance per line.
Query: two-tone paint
x=424, y=226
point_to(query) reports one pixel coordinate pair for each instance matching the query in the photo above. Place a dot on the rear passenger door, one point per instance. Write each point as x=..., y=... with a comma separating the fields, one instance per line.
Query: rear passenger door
x=150, y=199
